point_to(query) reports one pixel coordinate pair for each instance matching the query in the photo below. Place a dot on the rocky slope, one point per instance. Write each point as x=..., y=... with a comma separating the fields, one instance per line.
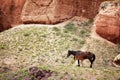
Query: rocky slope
x=108, y=21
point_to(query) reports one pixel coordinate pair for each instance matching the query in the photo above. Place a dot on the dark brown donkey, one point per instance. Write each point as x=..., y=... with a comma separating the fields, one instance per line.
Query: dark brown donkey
x=80, y=55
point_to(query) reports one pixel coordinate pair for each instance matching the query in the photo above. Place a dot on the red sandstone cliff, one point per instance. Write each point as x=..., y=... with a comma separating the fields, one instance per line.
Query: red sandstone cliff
x=54, y=11
x=88, y=8
x=49, y=11
x=108, y=21
x=10, y=11
x=44, y=11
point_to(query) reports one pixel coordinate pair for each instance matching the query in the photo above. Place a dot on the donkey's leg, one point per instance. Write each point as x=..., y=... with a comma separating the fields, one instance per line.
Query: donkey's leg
x=91, y=63
x=92, y=59
x=78, y=62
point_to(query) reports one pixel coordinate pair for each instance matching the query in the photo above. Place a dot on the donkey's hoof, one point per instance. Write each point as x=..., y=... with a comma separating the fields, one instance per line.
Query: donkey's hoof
x=90, y=66
x=78, y=65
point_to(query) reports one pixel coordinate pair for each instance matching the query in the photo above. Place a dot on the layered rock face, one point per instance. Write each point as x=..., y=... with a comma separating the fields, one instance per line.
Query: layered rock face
x=10, y=11
x=48, y=11
x=54, y=11
x=108, y=21
x=44, y=11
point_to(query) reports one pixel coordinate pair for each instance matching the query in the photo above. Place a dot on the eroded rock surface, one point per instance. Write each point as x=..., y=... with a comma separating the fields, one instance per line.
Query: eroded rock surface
x=88, y=8
x=44, y=11
x=54, y=11
x=108, y=21
x=10, y=12
x=49, y=11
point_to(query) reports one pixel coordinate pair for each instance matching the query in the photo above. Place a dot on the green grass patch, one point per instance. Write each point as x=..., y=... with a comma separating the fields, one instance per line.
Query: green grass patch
x=70, y=27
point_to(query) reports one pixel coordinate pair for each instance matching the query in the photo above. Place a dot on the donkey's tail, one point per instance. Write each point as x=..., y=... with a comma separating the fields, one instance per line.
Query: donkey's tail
x=94, y=57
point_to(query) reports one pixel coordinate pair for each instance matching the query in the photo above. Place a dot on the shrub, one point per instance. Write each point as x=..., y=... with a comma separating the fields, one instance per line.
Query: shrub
x=70, y=27
x=3, y=46
x=56, y=29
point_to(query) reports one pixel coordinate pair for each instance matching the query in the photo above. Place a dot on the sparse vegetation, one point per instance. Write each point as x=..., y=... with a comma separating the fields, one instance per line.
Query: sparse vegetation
x=3, y=46
x=70, y=27
x=46, y=47
x=85, y=23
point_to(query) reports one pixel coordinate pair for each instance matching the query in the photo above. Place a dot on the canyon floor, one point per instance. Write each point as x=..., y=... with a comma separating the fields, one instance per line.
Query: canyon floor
x=46, y=46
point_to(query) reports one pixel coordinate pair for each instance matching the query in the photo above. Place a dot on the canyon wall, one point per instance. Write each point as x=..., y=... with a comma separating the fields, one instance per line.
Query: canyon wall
x=88, y=8
x=10, y=11
x=47, y=12
x=44, y=11
x=54, y=11
x=108, y=21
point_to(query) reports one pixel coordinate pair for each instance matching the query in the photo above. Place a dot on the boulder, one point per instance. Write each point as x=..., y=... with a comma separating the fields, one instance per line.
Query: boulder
x=107, y=22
